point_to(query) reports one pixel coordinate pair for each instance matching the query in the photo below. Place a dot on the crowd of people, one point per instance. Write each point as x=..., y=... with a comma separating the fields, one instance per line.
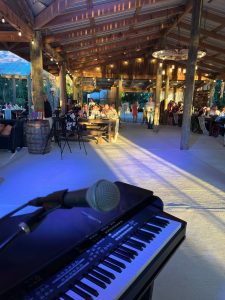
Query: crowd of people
x=207, y=120
x=93, y=110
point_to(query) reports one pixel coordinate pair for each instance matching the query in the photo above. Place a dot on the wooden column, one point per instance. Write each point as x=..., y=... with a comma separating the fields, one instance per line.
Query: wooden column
x=75, y=89
x=119, y=92
x=157, y=97
x=37, y=72
x=29, y=94
x=167, y=88
x=62, y=80
x=14, y=89
x=190, y=74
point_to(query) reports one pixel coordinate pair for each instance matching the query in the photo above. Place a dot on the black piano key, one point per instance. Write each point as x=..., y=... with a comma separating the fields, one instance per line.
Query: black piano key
x=147, y=234
x=137, y=244
x=96, y=281
x=116, y=262
x=66, y=297
x=143, y=236
x=152, y=228
x=125, y=253
x=112, y=266
x=121, y=256
x=100, y=276
x=133, y=252
x=158, y=222
x=104, y=272
x=81, y=293
x=87, y=288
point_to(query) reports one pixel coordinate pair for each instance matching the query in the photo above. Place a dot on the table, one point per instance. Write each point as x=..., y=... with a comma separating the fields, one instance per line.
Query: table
x=100, y=122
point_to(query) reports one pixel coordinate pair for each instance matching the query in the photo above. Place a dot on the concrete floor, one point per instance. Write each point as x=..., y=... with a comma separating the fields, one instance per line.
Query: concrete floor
x=190, y=183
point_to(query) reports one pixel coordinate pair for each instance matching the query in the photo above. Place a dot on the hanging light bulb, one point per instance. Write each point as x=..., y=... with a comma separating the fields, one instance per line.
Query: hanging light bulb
x=19, y=33
x=3, y=19
x=51, y=59
x=32, y=42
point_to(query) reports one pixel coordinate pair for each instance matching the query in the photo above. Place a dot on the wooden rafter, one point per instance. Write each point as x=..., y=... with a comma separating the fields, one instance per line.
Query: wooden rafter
x=68, y=12
x=12, y=36
x=115, y=46
x=15, y=21
x=114, y=26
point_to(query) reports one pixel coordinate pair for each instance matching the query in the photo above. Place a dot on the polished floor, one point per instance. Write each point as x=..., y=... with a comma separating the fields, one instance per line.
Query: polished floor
x=190, y=183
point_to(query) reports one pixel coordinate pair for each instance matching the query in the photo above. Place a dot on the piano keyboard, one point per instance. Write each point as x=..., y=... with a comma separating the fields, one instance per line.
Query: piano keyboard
x=99, y=276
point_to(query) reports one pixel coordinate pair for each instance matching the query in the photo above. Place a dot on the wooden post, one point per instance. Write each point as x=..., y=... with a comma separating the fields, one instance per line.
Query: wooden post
x=190, y=74
x=14, y=89
x=62, y=79
x=29, y=94
x=167, y=87
x=157, y=97
x=75, y=89
x=118, y=94
x=37, y=72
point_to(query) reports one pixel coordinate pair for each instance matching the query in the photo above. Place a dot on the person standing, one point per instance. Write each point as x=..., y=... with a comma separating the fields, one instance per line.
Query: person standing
x=47, y=111
x=150, y=108
x=135, y=111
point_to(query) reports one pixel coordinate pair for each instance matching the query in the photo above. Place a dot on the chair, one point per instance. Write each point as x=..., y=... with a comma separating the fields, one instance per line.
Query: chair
x=14, y=138
x=79, y=130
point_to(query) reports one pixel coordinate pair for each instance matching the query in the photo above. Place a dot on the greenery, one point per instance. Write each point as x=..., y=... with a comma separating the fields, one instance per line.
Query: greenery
x=217, y=99
x=6, y=91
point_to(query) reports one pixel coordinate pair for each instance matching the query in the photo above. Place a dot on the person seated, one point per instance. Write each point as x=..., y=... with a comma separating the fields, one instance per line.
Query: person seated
x=106, y=112
x=113, y=114
x=91, y=103
x=95, y=112
x=84, y=112
x=214, y=112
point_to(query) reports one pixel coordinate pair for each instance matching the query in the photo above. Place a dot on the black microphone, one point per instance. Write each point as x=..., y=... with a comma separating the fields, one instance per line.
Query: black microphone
x=102, y=196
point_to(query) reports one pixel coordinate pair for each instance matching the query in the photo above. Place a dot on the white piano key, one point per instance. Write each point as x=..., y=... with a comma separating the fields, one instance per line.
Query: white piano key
x=124, y=280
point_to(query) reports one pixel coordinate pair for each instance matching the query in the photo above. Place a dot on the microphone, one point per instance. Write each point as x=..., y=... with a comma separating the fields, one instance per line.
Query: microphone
x=102, y=196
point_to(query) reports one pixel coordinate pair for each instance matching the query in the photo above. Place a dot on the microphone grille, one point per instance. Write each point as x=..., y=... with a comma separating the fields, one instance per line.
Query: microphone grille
x=103, y=195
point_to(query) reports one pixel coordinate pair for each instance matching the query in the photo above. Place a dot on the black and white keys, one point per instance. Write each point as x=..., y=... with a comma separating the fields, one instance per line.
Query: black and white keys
x=116, y=272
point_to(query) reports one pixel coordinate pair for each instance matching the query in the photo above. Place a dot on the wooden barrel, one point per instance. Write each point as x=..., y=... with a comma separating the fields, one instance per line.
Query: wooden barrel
x=38, y=136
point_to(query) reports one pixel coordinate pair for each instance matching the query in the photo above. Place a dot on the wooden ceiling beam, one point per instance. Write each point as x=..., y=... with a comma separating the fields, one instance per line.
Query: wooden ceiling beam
x=111, y=38
x=187, y=10
x=106, y=60
x=202, y=45
x=112, y=56
x=206, y=33
x=213, y=17
x=113, y=26
x=12, y=36
x=126, y=43
x=15, y=21
x=62, y=14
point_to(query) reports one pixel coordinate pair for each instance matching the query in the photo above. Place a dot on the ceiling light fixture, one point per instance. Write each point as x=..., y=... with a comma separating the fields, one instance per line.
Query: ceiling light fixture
x=176, y=54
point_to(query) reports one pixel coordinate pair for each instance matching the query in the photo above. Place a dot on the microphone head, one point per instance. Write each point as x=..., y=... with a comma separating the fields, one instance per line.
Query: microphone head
x=103, y=195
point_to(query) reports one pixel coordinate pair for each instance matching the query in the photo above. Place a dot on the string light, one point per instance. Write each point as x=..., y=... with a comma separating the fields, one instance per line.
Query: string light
x=19, y=33
x=51, y=59
x=32, y=42
x=3, y=19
